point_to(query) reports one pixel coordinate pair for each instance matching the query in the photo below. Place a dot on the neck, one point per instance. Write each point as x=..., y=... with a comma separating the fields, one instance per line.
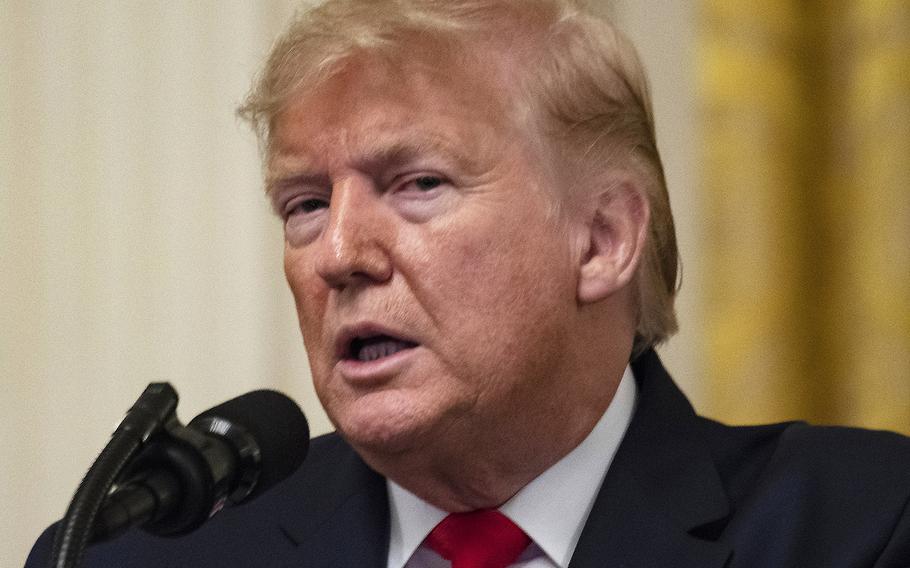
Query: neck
x=493, y=467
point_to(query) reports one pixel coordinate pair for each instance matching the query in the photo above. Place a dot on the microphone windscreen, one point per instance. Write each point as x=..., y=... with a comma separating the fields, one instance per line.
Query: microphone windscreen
x=278, y=426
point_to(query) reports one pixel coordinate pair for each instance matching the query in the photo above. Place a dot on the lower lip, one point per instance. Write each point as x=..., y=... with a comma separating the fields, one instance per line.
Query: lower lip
x=379, y=370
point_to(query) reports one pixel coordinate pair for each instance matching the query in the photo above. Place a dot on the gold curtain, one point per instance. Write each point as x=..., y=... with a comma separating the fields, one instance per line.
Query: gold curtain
x=806, y=166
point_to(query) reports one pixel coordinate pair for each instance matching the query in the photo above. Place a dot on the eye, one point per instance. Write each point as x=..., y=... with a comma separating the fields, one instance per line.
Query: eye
x=304, y=206
x=426, y=183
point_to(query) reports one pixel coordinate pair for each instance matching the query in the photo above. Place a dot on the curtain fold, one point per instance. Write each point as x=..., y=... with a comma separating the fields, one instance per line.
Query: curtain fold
x=806, y=117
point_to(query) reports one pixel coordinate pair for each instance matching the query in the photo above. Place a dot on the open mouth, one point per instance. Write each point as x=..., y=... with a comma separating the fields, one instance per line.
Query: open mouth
x=375, y=347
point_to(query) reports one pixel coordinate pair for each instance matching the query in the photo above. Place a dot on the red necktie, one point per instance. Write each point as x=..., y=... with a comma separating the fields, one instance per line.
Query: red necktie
x=478, y=539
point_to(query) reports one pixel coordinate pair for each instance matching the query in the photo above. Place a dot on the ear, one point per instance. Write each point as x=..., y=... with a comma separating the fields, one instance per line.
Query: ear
x=618, y=228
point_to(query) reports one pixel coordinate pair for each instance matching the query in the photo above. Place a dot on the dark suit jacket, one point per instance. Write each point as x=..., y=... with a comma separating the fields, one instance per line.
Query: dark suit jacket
x=683, y=491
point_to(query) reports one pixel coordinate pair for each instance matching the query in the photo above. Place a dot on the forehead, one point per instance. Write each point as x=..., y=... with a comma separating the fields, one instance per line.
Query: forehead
x=378, y=104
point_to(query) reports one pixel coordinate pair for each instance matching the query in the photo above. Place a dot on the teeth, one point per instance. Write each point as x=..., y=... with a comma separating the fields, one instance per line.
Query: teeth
x=380, y=349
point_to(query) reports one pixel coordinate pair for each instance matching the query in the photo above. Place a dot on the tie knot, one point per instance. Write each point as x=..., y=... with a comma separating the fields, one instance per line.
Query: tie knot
x=478, y=539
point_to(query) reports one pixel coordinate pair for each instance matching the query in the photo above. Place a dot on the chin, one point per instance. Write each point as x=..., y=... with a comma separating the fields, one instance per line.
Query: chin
x=383, y=423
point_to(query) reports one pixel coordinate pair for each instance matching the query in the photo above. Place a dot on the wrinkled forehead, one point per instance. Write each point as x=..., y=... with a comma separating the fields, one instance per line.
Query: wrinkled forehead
x=434, y=96
x=417, y=62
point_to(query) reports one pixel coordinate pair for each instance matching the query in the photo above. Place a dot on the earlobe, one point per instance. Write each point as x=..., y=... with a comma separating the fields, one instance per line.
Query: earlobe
x=618, y=228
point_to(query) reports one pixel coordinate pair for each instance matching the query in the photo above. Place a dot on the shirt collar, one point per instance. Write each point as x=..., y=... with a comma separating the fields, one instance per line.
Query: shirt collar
x=551, y=509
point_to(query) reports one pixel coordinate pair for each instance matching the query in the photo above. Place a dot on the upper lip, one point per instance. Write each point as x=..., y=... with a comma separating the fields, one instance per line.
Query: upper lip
x=349, y=333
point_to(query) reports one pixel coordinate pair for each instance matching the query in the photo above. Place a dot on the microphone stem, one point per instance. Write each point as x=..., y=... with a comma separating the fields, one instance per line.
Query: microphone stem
x=76, y=527
x=142, y=500
x=154, y=407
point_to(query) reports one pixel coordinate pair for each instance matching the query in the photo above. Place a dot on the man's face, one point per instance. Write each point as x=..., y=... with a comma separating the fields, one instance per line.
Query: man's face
x=434, y=285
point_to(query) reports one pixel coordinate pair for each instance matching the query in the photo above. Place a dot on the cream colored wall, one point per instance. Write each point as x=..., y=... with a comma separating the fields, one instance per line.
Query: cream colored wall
x=136, y=245
x=665, y=33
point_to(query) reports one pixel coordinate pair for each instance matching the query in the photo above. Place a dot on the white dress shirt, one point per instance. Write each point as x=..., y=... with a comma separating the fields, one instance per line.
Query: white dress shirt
x=552, y=509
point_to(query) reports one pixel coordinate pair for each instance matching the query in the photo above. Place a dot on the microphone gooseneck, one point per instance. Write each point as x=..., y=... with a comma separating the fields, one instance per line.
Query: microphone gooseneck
x=154, y=407
x=169, y=478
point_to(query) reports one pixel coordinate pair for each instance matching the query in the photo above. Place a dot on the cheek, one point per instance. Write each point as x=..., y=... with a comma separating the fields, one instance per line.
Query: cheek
x=310, y=299
x=509, y=265
x=505, y=290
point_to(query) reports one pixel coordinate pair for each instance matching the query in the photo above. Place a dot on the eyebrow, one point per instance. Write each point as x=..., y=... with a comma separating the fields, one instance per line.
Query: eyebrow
x=286, y=169
x=397, y=154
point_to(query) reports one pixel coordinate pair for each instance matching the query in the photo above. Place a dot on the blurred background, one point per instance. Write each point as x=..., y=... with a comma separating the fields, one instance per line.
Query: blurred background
x=136, y=244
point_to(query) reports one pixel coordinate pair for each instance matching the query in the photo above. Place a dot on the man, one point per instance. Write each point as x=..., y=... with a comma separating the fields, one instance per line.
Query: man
x=479, y=241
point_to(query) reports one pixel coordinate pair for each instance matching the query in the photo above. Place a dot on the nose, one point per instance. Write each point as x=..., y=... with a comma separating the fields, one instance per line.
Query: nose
x=353, y=246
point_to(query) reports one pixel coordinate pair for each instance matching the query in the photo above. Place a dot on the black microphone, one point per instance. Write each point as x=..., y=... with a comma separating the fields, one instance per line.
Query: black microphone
x=185, y=474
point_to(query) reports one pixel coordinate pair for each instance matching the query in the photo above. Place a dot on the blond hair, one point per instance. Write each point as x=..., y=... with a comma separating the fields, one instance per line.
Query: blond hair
x=577, y=73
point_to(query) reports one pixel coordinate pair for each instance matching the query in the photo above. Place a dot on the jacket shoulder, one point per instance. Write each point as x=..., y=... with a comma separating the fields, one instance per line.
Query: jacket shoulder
x=826, y=456
x=824, y=495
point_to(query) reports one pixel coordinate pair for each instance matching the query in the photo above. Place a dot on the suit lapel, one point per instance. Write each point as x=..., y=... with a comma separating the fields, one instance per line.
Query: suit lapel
x=662, y=502
x=346, y=521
